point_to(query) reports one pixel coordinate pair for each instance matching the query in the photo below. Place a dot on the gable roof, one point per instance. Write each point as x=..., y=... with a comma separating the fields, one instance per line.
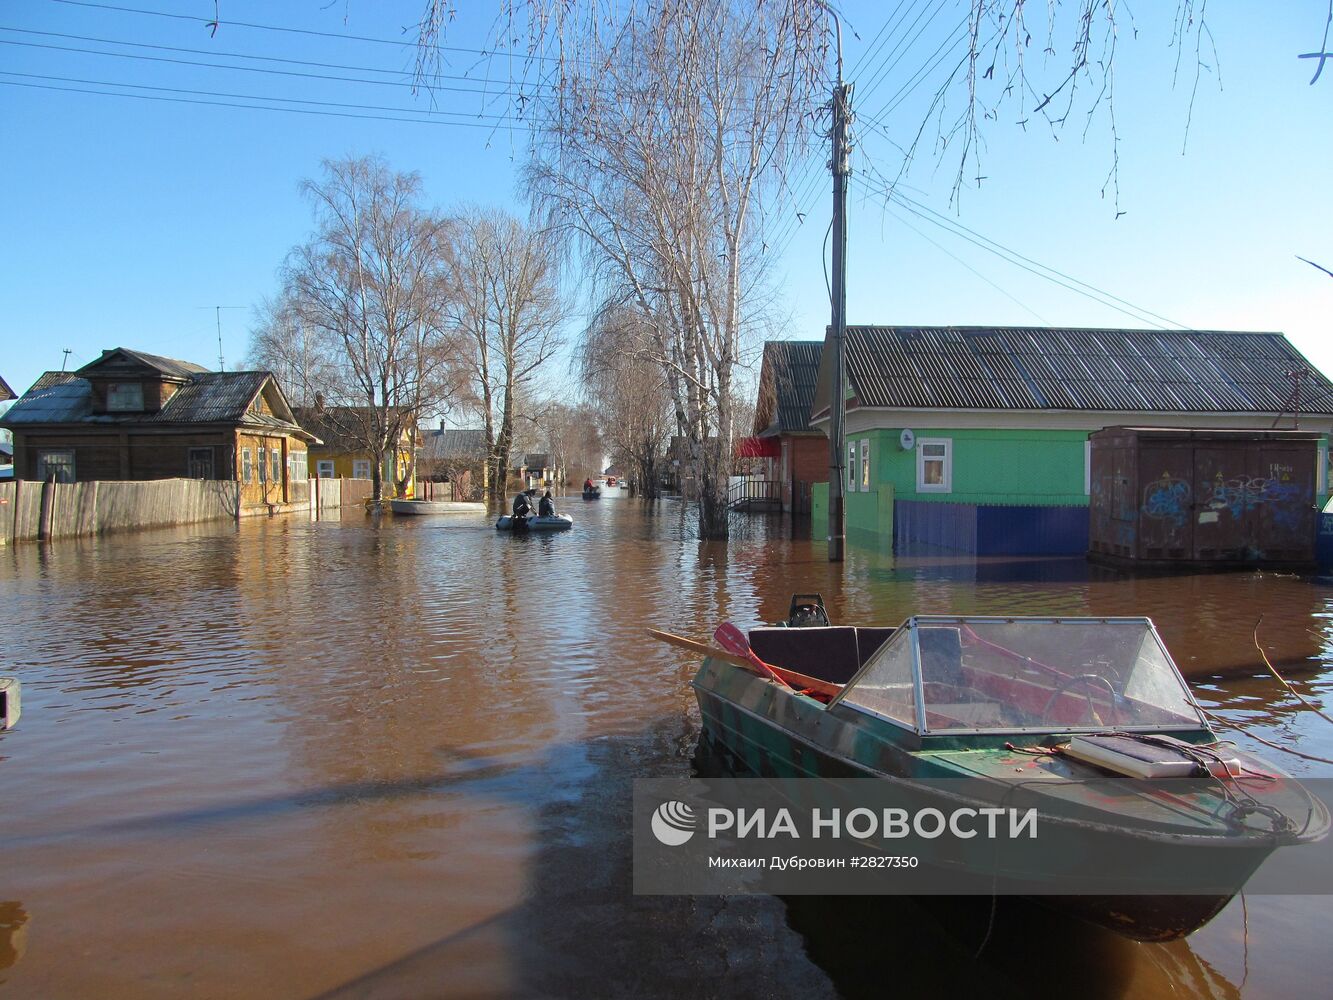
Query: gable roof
x=341, y=429
x=787, y=381
x=453, y=443
x=205, y=398
x=5, y=391
x=1013, y=368
x=165, y=366
x=537, y=460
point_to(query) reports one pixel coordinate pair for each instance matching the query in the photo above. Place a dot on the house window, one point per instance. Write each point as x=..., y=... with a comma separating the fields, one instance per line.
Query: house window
x=324, y=468
x=247, y=465
x=934, y=465
x=865, y=465
x=299, y=467
x=124, y=397
x=200, y=464
x=851, y=468
x=275, y=458
x=361, y=468
x=263, y=465
x=57, y=465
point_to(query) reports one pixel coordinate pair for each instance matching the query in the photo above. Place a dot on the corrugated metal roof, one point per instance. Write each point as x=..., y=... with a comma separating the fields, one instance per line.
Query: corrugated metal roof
x=453, y=442
x=209, y=397
x=167, y=366
x=537, y=460
x=787, y=383
x=5, y=391
x=1035, y=369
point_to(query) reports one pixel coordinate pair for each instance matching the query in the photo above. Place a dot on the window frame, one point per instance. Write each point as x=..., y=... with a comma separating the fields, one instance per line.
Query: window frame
x=324, y=468
x=946, y=486
x=865, y=465
x=275, y=464
x=362, y=463
x=247, y=466
x=120, y=406
x=852, y=471
x=44, y=455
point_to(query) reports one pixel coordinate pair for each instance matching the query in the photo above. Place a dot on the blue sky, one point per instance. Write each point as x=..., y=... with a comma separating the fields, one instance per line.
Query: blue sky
x=125, y=220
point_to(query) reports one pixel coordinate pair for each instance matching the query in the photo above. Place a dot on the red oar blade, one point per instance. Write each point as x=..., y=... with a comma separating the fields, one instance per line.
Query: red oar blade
x=733, y=640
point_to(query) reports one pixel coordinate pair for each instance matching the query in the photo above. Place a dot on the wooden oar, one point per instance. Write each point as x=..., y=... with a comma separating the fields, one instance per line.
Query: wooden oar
x=790, y=678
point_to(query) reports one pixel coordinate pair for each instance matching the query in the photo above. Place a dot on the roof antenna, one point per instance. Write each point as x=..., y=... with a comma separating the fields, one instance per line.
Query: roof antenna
x=67, y=352
x=217, y=312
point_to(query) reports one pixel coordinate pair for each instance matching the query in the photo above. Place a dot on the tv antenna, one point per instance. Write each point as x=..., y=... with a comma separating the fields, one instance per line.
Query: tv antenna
x=217, y=312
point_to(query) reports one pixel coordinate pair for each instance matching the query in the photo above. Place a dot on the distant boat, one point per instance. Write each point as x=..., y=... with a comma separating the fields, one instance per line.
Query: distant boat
x=592, y=494
x=435, y=507
x=551, y=522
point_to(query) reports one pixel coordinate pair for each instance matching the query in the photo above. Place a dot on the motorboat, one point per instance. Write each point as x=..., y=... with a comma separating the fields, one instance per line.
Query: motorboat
x=1153, y=819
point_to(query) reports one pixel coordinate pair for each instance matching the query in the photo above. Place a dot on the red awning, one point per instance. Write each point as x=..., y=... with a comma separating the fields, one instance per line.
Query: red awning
x=759, y=447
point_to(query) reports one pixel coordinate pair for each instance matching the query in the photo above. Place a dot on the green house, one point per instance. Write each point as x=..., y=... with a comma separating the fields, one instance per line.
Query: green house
x=975, y=439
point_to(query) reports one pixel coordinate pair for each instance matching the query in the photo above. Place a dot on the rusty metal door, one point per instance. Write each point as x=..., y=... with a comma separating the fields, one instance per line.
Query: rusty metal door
x=1223, y=526
x=1282, y=492
x=1166, y=497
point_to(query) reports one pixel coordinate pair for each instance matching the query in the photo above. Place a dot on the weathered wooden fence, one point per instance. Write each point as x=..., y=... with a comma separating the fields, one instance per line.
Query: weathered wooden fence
x=32, y=511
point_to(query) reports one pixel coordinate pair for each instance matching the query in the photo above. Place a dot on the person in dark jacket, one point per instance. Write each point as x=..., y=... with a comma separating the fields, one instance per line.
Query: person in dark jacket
x=522, y=505
x=546, y=508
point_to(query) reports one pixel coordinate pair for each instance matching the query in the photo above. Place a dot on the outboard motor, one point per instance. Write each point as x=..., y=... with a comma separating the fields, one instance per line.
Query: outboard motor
x=806, y=611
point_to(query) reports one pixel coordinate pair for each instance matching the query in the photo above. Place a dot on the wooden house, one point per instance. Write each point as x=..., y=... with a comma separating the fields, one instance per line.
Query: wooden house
x=134, y=416
x=341, y=452
x=454, y=456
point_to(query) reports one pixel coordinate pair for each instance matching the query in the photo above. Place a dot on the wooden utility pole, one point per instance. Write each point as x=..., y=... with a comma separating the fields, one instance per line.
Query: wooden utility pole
x=840, y=163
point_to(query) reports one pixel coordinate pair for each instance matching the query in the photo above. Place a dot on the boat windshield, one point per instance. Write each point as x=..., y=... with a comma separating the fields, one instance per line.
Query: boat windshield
x=1042, y=674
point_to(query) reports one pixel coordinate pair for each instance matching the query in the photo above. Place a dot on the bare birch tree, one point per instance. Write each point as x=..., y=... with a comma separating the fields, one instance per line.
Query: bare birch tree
x=370, y=284
x=282, y=344
x=505, y=314
x=629, y=393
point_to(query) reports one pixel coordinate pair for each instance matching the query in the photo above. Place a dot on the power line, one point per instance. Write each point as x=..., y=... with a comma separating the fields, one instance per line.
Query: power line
x=260, y=107
x=496, y=119
x=1022, y=262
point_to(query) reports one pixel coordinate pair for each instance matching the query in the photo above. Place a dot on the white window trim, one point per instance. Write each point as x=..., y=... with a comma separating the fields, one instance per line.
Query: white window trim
x=359, y=464
x=865, y=465
x=324, y=468
x=247, y=466
x=852, y=478
x=921, y=485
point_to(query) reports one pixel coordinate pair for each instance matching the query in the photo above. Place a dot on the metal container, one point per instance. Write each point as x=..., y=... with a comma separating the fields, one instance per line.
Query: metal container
x=1203, y=497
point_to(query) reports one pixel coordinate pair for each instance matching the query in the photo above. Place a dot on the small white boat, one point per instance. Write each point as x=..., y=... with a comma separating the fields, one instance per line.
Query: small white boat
x=435, y=507
x=552, y=522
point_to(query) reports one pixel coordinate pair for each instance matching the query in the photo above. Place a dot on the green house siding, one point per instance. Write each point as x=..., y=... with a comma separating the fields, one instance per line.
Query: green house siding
x=988, y=468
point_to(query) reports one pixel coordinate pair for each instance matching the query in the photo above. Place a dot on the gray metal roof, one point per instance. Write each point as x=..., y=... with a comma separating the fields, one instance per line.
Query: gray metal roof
x=538, y=460
x=453, y=442
x=1013, y=368
x=787, y=382
x=208, y=397
x=167, y=366
x=5, y=391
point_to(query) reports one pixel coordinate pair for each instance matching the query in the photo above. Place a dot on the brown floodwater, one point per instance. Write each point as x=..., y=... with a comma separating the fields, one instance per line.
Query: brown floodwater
x=393, y=758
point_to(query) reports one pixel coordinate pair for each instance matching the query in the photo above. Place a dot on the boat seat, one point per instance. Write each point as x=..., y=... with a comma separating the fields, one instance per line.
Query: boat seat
x=827, y=652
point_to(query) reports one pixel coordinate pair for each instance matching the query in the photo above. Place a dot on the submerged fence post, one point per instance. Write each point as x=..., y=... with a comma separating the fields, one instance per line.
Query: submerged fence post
x=47, y=511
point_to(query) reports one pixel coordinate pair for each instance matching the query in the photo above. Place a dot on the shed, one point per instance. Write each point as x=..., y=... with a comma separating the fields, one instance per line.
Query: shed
x=1204, y=498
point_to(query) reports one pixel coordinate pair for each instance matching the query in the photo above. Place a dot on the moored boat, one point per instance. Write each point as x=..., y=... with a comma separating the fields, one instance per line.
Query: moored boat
x=1085, y=718
x=408, y=506
x=549, y=522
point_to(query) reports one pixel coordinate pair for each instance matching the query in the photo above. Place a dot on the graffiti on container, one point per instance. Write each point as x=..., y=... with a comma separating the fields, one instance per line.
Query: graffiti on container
x=1167, y=499
x=1244, y=493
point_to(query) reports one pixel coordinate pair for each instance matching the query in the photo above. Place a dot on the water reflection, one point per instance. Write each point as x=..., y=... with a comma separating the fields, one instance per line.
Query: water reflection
x=378, y=757
x=13, y=933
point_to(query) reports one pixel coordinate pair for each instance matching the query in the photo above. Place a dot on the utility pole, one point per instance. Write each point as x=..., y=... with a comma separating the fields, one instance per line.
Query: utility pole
x=67, y=352
x=217, y=312
x=840, y=163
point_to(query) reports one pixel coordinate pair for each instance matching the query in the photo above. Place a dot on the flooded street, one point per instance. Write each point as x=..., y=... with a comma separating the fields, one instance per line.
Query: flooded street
x=360, y=758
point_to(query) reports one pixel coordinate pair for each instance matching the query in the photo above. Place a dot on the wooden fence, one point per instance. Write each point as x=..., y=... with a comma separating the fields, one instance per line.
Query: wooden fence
x=32, y=511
